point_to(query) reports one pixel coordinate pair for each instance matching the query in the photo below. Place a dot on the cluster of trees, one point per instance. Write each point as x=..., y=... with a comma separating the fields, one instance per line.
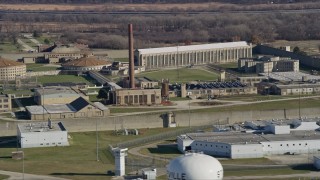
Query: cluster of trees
x=106, y=31
x=152, y=1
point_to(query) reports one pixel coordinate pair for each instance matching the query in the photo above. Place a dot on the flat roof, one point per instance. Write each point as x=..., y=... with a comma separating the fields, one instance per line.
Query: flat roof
x=59, y=108
x=55, y=90
x=40, y=127
x=290, y=76
x=36, y=110
x=100, y=106
x=175, y=49
x=250, y=138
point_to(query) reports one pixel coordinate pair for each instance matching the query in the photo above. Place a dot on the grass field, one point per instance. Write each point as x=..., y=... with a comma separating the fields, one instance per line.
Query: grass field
x=3, y=176
x=77, y=161
x=311, y=47
x=9, y=47
x=64, y=78
x=121, y=59
x=41, y=67
x=181, y=75
x=289, y=104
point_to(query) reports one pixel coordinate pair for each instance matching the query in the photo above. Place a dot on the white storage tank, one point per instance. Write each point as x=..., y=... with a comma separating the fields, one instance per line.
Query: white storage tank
x=195, y=166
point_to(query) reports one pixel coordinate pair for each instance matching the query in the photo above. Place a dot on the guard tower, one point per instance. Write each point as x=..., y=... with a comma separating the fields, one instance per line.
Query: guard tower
x=120, y=155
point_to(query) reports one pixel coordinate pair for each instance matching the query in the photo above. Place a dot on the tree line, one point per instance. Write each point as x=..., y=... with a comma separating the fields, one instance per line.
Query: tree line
x=151, y=1
x=110, y=31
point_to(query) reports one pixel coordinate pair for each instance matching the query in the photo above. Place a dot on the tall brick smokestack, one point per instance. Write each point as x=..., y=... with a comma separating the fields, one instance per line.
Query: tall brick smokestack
x=131, y=60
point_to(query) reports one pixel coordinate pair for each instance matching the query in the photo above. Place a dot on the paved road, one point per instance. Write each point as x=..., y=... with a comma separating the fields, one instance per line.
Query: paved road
x=18, y=176
x=26, y=47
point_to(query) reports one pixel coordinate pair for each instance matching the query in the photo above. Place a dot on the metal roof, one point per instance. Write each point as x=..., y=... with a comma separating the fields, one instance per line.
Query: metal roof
x=175, y=49
x=40, y=127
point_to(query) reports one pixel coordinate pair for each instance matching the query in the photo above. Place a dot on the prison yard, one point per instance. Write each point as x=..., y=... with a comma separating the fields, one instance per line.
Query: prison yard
x=181, y=75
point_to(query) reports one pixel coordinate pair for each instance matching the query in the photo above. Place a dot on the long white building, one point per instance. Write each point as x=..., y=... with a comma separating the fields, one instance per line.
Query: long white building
x=42, y=134
x=153, y=58
x=258, y=141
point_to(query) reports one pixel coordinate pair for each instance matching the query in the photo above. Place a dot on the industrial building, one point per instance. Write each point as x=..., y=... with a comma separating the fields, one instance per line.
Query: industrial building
x=79, y=108
x=267, y=64
x=10, y=70
x=154, y=58
x=42, y=134
x=56, y=95
x=86, y=64
x=136, y=96
x=256, y=139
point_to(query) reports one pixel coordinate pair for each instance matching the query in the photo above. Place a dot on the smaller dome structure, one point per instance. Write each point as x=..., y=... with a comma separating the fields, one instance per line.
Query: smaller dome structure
x=86, y=64
x=194, y=166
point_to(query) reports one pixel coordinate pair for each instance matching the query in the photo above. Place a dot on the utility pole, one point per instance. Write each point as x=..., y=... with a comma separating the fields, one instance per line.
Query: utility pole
x=97, y=139
x=178, y=62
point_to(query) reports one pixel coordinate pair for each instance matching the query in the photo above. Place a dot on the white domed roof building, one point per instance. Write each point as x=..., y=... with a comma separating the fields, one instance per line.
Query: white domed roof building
x=86, y=64
x=195, y=166
x=10, y=69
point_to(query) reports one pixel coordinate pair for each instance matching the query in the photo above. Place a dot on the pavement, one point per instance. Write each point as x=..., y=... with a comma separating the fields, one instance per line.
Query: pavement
x=19, y=176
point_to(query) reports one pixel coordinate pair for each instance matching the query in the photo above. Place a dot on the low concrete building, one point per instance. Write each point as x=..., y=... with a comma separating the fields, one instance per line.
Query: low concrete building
x=251, y=80
x=56, y=95
x=296, y=89
x=273, y=138
x=42, y=134
x=79, y=108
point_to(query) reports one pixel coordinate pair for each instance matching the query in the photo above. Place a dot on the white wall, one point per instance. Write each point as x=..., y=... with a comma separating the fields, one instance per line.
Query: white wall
x=183, y=142
x=212, y=148
x=246, y=151
x=297, y=146
x=280, y=129
x=44, y=139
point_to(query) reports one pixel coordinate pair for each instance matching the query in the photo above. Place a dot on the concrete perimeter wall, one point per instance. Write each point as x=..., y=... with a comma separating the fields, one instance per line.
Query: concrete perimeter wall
x=154, y=120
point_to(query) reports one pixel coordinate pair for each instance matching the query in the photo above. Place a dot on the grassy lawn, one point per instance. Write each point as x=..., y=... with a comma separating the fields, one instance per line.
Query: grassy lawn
x=229, y=65
x=2, y=176
x=263, y=172
x=41, y=67
x=63, y=78
x=121, y=59
x=93, y=98
x=185, y=75
x=250, y=98
x=289, y=104
x=310, y=47
x=29, y=42
x=77, y=161
x=162, y=151
x=179, y=99
x=249, y=161
x=130, y=110
x=9, y=47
